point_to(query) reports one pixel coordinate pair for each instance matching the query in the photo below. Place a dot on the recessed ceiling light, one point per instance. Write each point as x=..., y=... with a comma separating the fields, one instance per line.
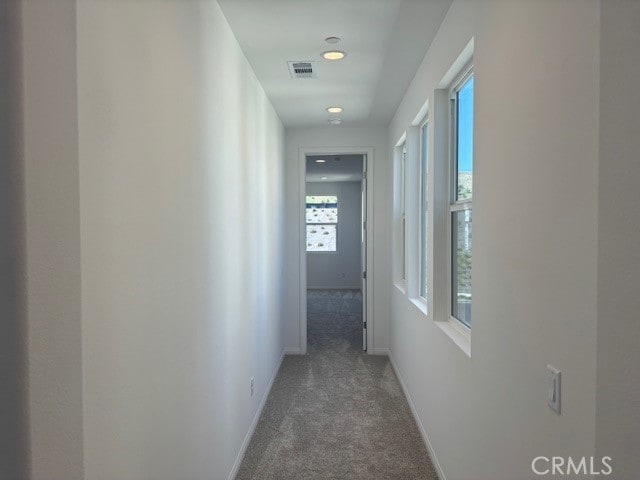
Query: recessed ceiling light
x=320, y=160
x=335, y=121
x=323, y=178
x=332, y=39
x=334, y=109
x=334, y=55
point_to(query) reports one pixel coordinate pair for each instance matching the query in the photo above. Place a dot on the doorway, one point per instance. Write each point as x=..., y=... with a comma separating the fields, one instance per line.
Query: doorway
x=334, y=300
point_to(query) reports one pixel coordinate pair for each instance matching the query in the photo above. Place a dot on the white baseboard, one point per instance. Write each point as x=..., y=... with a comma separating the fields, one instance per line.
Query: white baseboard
x=344, y=287
x=292, y=351
x=423, y=432
x=254, y=422
x=379, y=351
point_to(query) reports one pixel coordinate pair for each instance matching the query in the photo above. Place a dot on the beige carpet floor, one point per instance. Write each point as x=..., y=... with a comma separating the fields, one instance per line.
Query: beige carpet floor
x=336, y=413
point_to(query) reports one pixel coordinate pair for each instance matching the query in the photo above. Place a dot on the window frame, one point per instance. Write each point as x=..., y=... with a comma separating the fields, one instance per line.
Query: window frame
x=423, y=212
x=399, y=201
x=403, y=213
x=454, y=204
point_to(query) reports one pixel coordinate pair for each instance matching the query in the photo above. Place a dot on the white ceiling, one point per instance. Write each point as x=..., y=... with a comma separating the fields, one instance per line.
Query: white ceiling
x=385, y=41
x=337, y=168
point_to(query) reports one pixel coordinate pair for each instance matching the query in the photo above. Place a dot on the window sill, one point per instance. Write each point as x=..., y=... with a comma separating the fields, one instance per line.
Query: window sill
x=455, y=332
x=420, y=304
x=402, y=286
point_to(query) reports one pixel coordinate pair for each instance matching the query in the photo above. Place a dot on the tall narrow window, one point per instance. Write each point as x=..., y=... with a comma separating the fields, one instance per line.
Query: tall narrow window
x=322, y=223
x=424, y=207
x=403, y=217
x=461, y=192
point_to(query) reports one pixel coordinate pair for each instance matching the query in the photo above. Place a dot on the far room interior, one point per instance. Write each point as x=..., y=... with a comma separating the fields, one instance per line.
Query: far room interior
x=334, y=238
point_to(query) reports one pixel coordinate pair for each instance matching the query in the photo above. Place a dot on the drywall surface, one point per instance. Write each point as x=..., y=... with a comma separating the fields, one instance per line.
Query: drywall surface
x=339, y=269
x=181, y=189
x=13, y=412
x=534, y=242
x=379, y=237
x=618, y=397
x=52, y=226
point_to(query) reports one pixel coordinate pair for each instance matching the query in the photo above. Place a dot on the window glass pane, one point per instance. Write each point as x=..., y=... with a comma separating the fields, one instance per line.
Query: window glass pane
x=424, y=233
x=403, y=226
x=461, y=265
x=322, y=209
x=321, y=238
x=403, y=180
x=464, y=148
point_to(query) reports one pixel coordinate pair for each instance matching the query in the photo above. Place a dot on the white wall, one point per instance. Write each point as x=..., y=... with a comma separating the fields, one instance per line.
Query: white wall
x=618, y=398
x=181, y=194
x=379, y=244
x=52, y=224
x=535, y=243
x=340, y=269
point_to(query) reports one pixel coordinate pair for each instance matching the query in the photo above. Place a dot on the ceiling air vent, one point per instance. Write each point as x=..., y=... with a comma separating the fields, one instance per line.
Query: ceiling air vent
x=302, y=69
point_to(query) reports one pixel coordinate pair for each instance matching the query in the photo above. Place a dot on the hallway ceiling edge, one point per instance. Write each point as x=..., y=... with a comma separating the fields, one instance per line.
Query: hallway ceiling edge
x=385, y=41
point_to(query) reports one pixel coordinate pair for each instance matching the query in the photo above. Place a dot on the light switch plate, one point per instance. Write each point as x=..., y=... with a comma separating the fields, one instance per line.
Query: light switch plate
x=553, y=388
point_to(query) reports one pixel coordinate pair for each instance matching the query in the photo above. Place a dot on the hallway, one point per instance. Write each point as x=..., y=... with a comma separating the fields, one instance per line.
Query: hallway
x=154, y=260
x=336, y=413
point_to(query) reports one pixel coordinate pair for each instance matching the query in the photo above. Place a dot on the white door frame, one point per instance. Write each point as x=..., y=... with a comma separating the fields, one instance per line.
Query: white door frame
x=302, y=187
